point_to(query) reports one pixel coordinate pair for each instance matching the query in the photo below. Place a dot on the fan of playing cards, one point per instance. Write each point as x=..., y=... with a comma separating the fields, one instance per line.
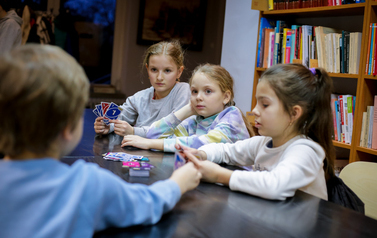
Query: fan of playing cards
x=109, y=111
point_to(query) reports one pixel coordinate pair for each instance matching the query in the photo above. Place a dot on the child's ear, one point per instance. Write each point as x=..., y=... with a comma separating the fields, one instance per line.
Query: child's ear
x=180, y=71
x=227, y=95
x=67, y=133
x=146, y=66
x=296, y=112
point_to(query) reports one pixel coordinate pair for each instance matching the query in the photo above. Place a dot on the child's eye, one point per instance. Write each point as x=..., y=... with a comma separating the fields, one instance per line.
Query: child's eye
x=264, y=105
x=208, y=91
x=167, y=70
x=194, y=91
x=153, y=69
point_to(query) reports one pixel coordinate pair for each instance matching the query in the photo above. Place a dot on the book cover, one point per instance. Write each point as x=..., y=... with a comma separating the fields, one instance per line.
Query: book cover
x=374, y=132
x=276, y=47
x=358, y=36
x=341, y=65
x=374, y=55
x=293, y=42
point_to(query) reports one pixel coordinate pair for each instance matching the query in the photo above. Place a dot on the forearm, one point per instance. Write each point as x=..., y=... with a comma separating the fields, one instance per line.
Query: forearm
x=224, y=176
x=157, y=144
x=184, y=112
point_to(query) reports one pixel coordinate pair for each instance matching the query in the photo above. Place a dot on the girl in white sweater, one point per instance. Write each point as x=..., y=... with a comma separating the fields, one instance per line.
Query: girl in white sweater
x=295, y=151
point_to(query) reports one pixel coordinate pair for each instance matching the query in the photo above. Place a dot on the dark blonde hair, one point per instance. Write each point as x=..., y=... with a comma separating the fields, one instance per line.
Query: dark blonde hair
x=42, y=90
x=171, y=48
x=225, y=82
x=294, y=84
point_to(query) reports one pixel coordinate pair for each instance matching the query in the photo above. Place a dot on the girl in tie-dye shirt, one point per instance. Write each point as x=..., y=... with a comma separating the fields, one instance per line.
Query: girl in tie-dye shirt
x=210, y=117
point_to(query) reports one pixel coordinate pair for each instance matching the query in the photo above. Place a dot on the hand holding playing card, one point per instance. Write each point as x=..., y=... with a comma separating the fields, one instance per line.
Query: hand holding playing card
x=105, y=112
x=122, y=128
x=100, y=127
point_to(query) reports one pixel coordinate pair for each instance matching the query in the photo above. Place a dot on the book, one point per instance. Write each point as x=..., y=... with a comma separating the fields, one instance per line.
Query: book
x=271, y=49
x=266, y=47
x=338, y=120
x=370, y=127
x=333, y=104
x=350, y=116
x=367, y=132
x=374, y=131
x=264, y=23
x=368, y=51
x=363, y=129
x=320, y=33
x=288, y=47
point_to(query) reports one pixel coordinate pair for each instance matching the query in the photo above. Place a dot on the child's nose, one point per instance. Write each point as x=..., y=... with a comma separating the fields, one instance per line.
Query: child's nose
x=159, y=76
x=255, y=111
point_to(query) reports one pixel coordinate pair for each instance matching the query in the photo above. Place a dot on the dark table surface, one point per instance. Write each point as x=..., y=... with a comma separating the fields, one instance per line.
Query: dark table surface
x=212, y=210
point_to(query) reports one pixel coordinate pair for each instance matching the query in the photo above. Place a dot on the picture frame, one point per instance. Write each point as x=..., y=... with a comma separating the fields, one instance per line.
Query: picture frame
x=164, y=20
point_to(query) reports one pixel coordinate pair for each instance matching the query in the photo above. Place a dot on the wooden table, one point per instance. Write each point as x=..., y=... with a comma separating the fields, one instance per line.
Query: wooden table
x=215, y=211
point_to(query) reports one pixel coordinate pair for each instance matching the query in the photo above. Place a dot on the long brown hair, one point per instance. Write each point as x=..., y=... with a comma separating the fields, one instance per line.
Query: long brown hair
x=294, y=84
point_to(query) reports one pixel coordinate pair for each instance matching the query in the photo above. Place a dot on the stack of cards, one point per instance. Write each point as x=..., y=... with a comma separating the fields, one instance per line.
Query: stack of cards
x=138, y=169
x=121, y=156
x=109, y=111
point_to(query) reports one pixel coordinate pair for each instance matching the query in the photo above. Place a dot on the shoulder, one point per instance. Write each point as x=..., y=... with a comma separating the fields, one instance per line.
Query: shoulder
x=306, y=145
x=145, y=93
x=181, y=87
x=231, y=113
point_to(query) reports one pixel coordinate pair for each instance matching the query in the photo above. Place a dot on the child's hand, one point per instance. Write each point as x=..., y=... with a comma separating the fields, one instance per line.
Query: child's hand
x=210, y=171
x=122, y=128
x=100, y=127
x=136, y=141
x=185, y=112
x=187, y=177
x=201, y=155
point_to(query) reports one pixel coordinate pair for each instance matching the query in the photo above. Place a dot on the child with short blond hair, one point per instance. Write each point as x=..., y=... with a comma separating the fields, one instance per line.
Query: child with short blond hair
x=43, y=92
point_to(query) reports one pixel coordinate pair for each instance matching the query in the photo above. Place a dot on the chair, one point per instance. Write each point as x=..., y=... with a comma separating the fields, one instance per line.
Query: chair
x=361, y=177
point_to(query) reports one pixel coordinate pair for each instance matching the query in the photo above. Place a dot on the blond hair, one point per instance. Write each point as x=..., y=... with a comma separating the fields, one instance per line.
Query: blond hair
x=225, y=81
x=171, y=48
x=42, y=90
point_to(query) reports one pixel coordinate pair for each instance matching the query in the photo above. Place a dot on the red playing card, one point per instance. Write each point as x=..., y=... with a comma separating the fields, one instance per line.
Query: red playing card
x=105, y=106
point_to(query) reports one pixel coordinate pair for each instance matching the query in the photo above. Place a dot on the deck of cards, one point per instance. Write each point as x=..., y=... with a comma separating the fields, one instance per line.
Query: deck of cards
x=138, y=169
x=109, y=111
x=179, y=161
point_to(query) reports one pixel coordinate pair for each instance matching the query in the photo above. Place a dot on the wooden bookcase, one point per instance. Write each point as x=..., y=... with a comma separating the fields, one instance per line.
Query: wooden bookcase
x=349, y=17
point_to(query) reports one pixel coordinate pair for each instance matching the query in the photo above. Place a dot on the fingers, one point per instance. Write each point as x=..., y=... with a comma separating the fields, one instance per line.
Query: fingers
x=192, y=158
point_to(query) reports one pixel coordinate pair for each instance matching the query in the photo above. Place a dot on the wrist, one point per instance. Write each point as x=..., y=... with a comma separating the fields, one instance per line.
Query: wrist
x=224, y=176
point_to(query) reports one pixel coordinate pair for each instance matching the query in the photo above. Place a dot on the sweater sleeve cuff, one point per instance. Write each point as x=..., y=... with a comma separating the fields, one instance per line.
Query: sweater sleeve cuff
x=169, y=145
x=172, y=192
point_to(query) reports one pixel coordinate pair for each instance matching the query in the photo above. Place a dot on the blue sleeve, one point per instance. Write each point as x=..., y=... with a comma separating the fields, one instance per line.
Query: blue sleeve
x=123, y=204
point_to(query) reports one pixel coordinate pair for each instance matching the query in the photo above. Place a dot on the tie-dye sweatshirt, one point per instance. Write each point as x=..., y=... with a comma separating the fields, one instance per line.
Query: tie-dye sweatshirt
x=195, y=131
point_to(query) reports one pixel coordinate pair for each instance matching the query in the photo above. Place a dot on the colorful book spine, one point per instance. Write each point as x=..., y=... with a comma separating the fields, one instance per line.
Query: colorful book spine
x=368, y=51
x=288, y=47
x=374, y=131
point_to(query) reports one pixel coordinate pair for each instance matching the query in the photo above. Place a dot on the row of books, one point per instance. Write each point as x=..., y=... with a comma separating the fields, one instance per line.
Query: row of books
x=293, y=4
x=368, y=137
x=314, y=46
x=343, y=109
x=371, y=66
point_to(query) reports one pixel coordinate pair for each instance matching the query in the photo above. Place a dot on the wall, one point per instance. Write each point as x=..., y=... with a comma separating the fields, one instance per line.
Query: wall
x=128, y=56
x=239, y=48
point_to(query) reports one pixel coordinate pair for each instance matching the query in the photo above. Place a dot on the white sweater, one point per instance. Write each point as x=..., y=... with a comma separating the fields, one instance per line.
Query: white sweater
x=277, y=172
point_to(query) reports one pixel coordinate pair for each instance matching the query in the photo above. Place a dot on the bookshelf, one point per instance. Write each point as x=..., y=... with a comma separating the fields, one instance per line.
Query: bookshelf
x=353, y=18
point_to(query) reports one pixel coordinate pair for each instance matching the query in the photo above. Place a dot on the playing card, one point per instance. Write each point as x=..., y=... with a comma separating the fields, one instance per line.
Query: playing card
x=112, y=112
x=179, y=160
x=105, y=106
x=95, y=111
